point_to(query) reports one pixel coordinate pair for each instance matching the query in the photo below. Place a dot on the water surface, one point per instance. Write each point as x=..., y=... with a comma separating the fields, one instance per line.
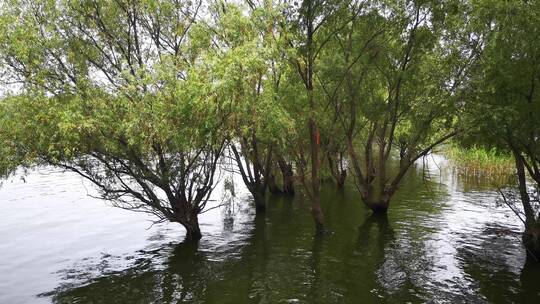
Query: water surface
x=445, y=240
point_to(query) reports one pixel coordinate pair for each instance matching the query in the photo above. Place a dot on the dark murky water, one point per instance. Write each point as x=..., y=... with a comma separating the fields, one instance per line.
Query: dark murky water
x=444, y=241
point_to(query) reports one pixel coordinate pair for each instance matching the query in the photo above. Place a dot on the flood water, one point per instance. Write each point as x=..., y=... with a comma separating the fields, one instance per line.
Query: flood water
x=445, y=240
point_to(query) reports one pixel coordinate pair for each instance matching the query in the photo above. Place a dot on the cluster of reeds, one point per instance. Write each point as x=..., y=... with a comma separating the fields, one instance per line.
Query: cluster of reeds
x=479, y=162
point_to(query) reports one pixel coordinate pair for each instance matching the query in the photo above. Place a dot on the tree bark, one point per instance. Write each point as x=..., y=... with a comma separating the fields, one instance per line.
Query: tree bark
x=341, y=180
x=260, y=201
x=288, y=177
x=193, y=231
x=256, y=182
x=307, y=74
x=379, y=207
x=522, y=185
x=316, y=210
x=531, y=235
x=338, y=172
x=531, y=241
x=317, y=213
x=272, y=185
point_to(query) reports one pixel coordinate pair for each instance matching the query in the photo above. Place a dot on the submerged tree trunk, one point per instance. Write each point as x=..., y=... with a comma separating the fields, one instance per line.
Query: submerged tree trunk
x=531, y=240
x=531, y=235
x=272, y=185
x=255, y=173
x=193, y=231
x=316, y=210
x=259, y=198
x=317, y=213
x=341, y=180
x=288, y=177
x=376, y=200
x=380, y=207
x=338, y=172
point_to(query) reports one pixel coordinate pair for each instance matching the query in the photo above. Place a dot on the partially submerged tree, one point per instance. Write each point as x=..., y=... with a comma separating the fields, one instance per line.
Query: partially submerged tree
x=305, y=35
x=118, y=92
x=396, y=89
x=246, y=43
x=504, y=100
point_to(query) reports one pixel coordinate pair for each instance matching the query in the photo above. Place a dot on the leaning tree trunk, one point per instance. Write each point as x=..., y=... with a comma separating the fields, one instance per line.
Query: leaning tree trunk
x=531, y=235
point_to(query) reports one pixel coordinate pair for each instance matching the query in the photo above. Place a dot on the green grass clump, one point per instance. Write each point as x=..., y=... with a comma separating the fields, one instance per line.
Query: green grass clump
x=480, y=162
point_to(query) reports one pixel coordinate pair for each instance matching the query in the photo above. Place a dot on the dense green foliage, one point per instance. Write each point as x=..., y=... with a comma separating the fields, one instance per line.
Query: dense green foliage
x=144, y=98
x=114, y=92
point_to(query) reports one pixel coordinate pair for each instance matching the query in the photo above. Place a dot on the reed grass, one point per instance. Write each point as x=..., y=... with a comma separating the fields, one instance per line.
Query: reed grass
x=480, y=162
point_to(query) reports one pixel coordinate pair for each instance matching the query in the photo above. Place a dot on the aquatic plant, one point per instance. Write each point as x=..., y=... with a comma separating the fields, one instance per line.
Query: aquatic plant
x=480, y=162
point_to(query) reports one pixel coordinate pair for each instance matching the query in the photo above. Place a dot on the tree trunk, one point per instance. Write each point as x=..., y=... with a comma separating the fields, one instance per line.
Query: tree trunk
x=312, y=123
x=531, y=235
x=338, y=173
x=260, y=201
x=288, y=177
x=379, y=206
x=316, y=210
x=522, y=185
x=341, y=180
x=193, y=231
x=531, y=240
x=272, y=185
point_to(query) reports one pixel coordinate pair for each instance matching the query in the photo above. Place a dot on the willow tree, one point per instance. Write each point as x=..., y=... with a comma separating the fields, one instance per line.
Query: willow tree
x=118, y=92
x=305, y=35
x=245, y=42
x=400, y=69
x=504, y=101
